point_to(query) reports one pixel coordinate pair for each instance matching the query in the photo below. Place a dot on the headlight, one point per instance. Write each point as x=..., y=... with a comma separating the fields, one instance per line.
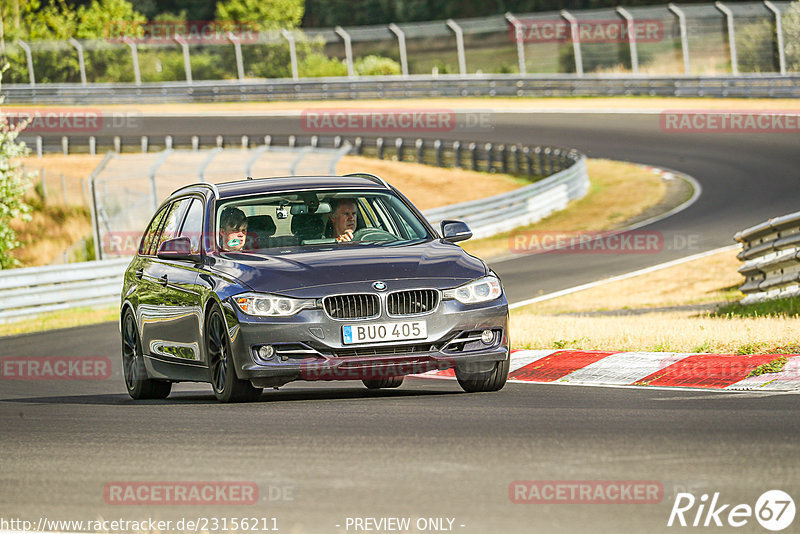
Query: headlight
x=480, y=290
x=266, y=305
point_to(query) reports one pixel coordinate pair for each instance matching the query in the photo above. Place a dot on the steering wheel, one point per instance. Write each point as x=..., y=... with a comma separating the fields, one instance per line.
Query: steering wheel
x=372, y=234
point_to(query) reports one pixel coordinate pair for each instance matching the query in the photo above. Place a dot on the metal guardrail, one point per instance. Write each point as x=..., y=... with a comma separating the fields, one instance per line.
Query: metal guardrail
x=421, y=86
x=771, y=256
x=31, y=291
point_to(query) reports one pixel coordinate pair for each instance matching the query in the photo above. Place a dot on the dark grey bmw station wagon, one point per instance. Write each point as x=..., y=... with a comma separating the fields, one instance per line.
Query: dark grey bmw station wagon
x=257, y=283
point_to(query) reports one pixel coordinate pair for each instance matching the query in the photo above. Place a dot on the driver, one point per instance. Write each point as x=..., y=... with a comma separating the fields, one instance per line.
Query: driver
x=343, y=218
x=232, y=229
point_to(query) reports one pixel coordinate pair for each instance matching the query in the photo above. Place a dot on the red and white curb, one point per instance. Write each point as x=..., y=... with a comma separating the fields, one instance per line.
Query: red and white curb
x=663, y=369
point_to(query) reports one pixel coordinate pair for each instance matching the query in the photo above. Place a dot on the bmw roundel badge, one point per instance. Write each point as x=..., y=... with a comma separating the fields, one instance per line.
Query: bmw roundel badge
x=379, y=286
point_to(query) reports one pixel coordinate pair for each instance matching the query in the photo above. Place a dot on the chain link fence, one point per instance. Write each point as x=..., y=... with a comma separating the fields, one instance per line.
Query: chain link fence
x=696, y=39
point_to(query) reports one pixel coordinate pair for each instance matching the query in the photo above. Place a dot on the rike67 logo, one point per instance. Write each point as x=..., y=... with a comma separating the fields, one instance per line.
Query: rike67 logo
x=774, y=510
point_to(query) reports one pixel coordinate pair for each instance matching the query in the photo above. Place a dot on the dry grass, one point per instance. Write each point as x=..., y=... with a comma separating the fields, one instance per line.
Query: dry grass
x=430, y=187
x=51, y=231
x=61, y=319
x=540, y=103
x=618, y=192
x=75, y=169
x=638, y=326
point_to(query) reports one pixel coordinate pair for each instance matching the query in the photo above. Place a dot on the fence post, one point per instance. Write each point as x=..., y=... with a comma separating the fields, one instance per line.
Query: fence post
x=29, y=59
x=81, y=64
x=462, y=61
x=515, y=156
x=145, y=142
x=292, y=52
x=237, y=50
x=359, y=145
x=117, y=144
x=420, y=151
x=489, y=157
x=348, y=50
x=398, y=144
x=778, y=35
x=267, y=140
x=92, y=145
x=684, y=36
x=528, y=160
x=137, y=73
x=292, y=141
x=437, y=147
x=337, y=141
x=576, y=40
x=731, y=36
x=520, y=40
x=473, y=150
x=631, y=38
x=401, y=43
x=65, y=145
x=187, y=63
x=457, y=154
x=168, y=142
x=195, y=143
x=379, y=146
x=39, y=146
x=315, y=141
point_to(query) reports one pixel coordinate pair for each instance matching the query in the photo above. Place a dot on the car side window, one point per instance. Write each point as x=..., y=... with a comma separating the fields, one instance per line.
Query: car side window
x=193, y=225
x=151, y=232
x=172, y=222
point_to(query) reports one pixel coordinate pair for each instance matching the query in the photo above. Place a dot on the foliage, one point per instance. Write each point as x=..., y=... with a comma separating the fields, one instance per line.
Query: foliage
x=316, y=65
x=791, y=37
x=265, y=14
x=12, y=188
x=376, y=66
x=755, y=47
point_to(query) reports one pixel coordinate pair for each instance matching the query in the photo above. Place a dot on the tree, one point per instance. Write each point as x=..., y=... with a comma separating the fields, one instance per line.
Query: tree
x=265, y=14
x=12, y=187
x=791, y=37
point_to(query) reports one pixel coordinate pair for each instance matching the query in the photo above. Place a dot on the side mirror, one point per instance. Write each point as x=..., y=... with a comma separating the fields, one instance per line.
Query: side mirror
x=179, y=248
x=454, y=231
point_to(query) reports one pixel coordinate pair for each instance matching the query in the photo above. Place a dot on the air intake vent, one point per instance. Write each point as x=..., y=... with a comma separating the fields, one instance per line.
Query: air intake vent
x=414, y=302
x=352, y=306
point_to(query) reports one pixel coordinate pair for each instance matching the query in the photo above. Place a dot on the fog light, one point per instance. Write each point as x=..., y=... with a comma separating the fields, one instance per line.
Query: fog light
x=266, y=352
x=487, y=337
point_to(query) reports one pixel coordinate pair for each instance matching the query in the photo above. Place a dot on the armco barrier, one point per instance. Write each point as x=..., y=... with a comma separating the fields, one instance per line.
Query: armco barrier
x=35, y=290
x=771, y=256
x=419, y=86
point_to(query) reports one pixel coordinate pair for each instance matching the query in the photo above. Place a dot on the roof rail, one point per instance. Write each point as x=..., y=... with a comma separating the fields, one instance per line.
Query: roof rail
x=211, y=186
x=373, y=177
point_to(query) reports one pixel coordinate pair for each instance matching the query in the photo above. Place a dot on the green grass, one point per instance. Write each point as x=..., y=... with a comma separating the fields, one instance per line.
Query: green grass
x=775, y=366
x=789, y=307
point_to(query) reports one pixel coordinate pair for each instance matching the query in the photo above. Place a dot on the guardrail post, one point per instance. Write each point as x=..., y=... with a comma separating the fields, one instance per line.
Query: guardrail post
x=29, y=59
x=187, y=63
x=292, y=141
x=528, y=160
x=237, y=50
x=337, y=141
x=473, y=151
x=168, y=142
x=267, y=140
x=65, y=145
x=92, y=145
x=457, y=154
x=555, y=162
x=678, y=12
x=401, y=43
x=398, y=144
x=420, y=151
x=39, y=147
x=437, y=147
x=778, y=35
x=515, y=156
x=539, y=161
x=629, y=22
x=81, y=64
x=292, y=52
x=548, y=156
x=145, y=142
x=348, y=50
x=137, y=73
x=314, y=141
x=117, y=144
x=504, y=159
x=489, y=157
x=462, y=60
x=731, y=36
x=358, y=145
x=379, y=147
x=195, y=143
x=576, y=40
x=520, y=40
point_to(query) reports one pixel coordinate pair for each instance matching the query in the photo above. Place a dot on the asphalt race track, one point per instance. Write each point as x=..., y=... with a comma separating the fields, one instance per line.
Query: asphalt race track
x=320, y=453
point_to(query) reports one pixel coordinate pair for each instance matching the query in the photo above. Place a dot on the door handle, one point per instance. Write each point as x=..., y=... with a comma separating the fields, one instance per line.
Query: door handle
x=139, y=273
x=163, y=280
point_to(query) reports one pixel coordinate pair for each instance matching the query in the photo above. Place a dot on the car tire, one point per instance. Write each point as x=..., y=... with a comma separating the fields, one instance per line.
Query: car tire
x=493, y=380
x=384, y=383
x=221, y=372
x=137, y=383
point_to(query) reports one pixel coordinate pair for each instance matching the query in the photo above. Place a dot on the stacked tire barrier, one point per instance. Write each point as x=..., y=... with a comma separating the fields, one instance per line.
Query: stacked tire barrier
x=771, y=256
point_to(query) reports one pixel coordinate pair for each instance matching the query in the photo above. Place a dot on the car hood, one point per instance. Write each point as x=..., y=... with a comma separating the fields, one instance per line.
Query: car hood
x=298, y=273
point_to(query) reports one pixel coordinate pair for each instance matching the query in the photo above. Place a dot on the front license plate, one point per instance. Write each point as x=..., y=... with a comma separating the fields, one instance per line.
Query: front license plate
x=368, y=333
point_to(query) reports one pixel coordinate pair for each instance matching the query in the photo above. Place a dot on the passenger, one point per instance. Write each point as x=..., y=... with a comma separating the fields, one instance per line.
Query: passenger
x=232, y=229
x=343, y=218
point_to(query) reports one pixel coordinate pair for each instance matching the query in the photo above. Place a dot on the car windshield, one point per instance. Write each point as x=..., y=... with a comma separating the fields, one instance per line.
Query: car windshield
x=312, y=218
